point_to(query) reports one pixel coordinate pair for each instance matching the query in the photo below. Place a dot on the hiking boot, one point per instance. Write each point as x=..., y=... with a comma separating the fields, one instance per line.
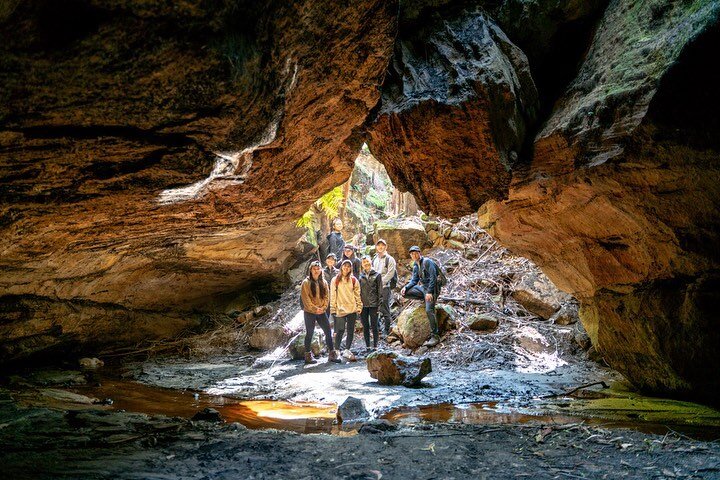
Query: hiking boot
x=333, y=356
x=309, y=358
x=434, y=340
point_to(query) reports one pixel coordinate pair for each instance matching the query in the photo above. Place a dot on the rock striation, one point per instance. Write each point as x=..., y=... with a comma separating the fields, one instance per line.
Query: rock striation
x=619, y=205
x=154, y=157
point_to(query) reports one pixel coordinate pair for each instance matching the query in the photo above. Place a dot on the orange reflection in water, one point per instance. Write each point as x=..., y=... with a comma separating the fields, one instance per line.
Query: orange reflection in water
x=256, y=414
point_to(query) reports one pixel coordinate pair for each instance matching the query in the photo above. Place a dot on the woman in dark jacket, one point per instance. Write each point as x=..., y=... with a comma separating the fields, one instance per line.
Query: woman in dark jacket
x=371, y=295
x=335, y=239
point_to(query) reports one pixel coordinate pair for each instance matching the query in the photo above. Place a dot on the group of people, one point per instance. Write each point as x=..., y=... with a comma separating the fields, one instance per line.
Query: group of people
x=361, y=287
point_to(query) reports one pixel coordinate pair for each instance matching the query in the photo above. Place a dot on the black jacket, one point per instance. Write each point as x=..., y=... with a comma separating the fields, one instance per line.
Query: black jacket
x=330, y=274
x=356, y=263
x=370, y=288
x=336, y=244
x=426, y=276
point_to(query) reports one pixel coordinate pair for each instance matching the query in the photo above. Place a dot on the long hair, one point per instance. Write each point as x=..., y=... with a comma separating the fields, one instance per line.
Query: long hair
x=342, y=276
x=319, y=283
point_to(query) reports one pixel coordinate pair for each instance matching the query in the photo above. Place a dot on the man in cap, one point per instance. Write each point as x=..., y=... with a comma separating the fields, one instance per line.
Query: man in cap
x=385, y=265
x=423, y=286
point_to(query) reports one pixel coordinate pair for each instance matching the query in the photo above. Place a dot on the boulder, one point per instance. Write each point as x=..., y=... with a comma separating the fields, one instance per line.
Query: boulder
x=268, y=337
x=400, y=236
x=297, y=346
x=389, y=368
x=539, y=296
x=483, y=323
x=352, y=410
x=413, y=327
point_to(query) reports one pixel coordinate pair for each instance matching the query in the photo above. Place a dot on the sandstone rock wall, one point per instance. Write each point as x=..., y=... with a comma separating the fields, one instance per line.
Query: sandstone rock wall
x=154, y=156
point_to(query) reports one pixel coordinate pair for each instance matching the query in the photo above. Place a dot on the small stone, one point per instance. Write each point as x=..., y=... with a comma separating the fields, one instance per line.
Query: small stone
x=376, y=426
x=262, y=310
x=208, y=415
x=352, y=410
x=483, y=323
x=348, y=356
x=421, y=350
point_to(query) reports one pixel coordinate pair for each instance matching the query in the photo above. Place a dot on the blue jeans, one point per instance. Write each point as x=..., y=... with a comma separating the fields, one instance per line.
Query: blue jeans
x=418, y=293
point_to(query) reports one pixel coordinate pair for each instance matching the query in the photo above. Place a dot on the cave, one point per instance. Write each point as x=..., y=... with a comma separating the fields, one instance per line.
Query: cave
x=169, y=171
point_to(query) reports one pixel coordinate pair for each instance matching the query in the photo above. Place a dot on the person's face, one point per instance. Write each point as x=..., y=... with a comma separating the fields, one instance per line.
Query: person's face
x=380, y=248
x=330, y=262
x=415, y=256
x=346, y=268
x=338, y=225
x=366, y=265
x=316, y=271
x=349, y=253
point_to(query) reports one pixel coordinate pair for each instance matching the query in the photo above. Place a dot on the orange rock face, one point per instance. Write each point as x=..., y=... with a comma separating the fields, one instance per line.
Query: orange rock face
x=156, y=158
x=620, y=203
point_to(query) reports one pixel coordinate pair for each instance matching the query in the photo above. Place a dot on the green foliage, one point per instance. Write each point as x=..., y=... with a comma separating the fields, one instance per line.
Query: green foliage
x=329, y=204
x=376, y=199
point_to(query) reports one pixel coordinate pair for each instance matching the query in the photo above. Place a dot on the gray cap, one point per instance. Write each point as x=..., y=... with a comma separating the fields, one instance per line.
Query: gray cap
x=414, y=248
x=381, y=240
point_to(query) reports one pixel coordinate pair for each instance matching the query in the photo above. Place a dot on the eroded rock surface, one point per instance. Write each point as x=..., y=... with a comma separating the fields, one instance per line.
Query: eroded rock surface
x=454, y=112
x=620, y=203
x=154, y=157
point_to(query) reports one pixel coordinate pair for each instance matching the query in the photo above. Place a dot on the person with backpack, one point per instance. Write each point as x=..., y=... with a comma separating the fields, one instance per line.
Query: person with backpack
x=335, y=239
x=315, y=296
x=385, y=265
x=425, y=285
x=345, y=303
x=349, y=254
x=370, y=294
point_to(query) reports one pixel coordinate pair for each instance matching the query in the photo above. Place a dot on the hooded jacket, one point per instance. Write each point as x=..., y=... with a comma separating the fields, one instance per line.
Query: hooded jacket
x=371, y=288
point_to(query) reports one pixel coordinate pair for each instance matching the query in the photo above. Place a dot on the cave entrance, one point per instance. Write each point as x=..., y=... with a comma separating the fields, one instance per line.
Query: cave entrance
x=368, y=199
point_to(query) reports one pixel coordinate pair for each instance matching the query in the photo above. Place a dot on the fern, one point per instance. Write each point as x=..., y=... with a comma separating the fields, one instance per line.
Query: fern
x=329, y=204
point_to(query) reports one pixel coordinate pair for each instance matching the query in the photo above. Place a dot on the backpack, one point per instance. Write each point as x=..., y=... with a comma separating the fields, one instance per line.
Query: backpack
x=394, y=279
x=441, y=280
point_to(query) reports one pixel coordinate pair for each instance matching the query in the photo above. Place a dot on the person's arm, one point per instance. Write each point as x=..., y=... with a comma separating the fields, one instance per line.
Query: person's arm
x=358, y=300
x=431, y=274
x=392, y=265
x=415, y=277
x=379, y=286
x=307, y=301
x=333, y=298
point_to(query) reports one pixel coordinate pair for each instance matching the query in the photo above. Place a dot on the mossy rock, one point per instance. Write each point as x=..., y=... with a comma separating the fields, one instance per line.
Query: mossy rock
x=297, y=346
x=413, y=326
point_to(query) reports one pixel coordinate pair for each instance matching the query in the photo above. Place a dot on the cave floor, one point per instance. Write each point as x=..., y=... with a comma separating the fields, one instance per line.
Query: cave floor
x=484, y=418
